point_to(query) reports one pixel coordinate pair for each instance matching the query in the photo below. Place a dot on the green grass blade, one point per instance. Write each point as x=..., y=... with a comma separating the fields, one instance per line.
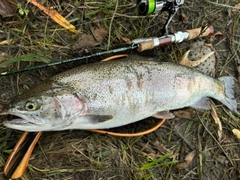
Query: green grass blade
x=156, y=162
x=26, y=58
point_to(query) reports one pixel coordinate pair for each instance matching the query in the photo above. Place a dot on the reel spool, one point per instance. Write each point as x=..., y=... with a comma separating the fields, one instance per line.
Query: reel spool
x=145, y=7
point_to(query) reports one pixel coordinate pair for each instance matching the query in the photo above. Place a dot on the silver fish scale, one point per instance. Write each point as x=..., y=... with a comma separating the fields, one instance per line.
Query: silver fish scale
x=125, y=87
x=119, y=92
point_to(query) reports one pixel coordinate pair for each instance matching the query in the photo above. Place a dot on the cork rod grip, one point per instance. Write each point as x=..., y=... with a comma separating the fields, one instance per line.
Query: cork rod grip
x=146, y=46
x=150, y=44
x=200, y=32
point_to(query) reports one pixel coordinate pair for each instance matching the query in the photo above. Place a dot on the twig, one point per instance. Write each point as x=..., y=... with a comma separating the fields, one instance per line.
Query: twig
x=110, y=26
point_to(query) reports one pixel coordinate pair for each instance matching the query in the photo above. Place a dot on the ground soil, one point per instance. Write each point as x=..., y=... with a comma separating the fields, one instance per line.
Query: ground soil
x=85, y=155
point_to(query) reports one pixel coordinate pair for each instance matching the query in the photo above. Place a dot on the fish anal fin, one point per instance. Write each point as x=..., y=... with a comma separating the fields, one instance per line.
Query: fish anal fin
x=203, y=104
x=163, y=115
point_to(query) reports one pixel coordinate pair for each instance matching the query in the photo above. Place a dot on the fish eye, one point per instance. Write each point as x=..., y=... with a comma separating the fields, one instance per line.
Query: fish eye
x=30, y=106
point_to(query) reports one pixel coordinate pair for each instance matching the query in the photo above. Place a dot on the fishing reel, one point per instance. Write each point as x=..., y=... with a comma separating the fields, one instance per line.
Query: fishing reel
x=145, y=7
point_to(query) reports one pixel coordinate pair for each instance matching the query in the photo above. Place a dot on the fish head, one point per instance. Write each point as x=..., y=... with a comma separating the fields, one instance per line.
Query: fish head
x=45, y=111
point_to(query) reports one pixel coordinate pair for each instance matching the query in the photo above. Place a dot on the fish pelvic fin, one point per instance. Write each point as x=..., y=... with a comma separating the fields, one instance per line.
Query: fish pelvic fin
x=229, y=99
x=163, y=115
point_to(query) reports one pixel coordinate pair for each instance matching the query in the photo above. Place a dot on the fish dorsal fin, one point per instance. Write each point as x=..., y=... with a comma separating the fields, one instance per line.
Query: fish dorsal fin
x=203, y=104
x=163, y=115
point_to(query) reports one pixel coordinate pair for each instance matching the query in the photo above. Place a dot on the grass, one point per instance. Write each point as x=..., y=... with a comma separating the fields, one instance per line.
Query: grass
x=36, y=39
x=218, y=4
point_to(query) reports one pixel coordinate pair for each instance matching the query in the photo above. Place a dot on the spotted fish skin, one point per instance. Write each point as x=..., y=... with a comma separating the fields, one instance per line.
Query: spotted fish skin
x=115, y=93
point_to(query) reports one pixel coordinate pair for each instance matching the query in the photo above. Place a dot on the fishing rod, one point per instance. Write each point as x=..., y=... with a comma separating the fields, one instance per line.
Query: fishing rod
x=144, y=7
x=140, y=44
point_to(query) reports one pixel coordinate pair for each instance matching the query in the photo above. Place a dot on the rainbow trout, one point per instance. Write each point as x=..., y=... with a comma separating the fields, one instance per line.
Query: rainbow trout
x=115, y=93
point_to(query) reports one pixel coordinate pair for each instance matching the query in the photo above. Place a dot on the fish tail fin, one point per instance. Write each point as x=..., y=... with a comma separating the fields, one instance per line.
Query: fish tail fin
x=229, y=99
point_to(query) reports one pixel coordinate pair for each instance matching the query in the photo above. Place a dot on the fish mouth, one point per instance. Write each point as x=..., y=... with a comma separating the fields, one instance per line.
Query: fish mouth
x=21, y=122
x=18, y=121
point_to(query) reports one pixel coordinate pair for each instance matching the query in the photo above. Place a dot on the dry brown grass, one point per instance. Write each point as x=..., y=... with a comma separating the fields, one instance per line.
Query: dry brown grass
x=85, y=155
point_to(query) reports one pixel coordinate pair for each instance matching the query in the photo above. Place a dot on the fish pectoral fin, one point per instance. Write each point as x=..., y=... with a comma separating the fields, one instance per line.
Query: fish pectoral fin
x=94, y=119
x=163, y=115
x=203, y=104
x=88, y=122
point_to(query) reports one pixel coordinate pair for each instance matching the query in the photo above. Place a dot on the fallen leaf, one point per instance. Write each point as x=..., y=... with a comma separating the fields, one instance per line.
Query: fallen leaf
x=185, y=113
x=217, y=121
x=186, y=62
x=5, y=42
x=184, y=19
x=122, y=39
x=188, y=159
x=8, y=7
x=236, y=132
x=219, y=34
x=55, y=16
x=174, y=155
x=86, y=41
x=54, y=156
x=99, y=17
x=127, y=40
x=99, y=33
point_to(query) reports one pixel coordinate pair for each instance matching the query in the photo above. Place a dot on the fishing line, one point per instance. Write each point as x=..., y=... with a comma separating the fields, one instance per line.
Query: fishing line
x=130, y=134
